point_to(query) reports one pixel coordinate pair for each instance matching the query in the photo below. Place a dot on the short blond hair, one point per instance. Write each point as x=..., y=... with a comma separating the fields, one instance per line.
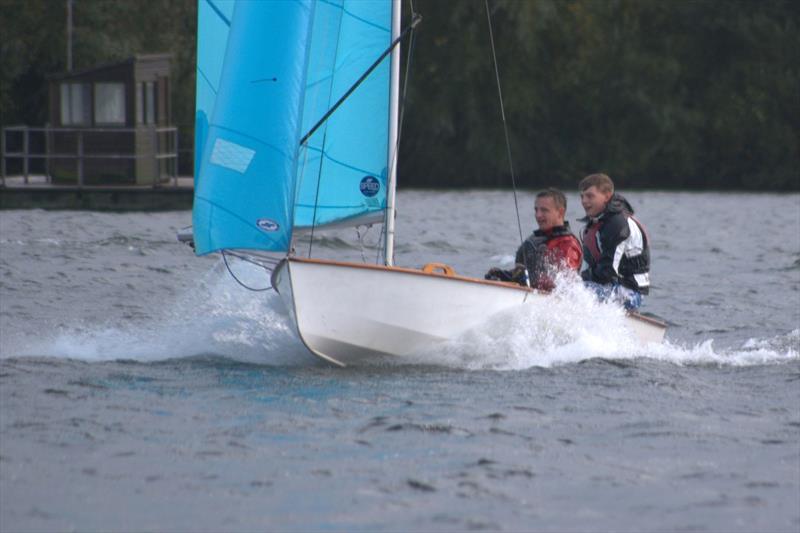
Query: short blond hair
x=601, y=181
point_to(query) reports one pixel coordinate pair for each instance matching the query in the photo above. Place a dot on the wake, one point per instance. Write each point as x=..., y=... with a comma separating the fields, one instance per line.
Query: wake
x=221, y=319
x=573, y=326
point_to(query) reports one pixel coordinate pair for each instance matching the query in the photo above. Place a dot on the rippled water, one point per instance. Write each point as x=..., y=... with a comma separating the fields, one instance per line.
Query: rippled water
x=142, y=389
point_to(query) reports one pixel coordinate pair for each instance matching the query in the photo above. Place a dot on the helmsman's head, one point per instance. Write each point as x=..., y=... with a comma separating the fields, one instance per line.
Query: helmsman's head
x=596, y=191
x=550, y=208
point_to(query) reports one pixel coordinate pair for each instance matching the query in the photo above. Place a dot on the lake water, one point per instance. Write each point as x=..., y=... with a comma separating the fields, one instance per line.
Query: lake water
x=141, y=388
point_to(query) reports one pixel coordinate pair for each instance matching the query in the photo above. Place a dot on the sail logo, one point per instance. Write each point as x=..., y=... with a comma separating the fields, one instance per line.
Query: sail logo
x=267, y=224
x=369, y=186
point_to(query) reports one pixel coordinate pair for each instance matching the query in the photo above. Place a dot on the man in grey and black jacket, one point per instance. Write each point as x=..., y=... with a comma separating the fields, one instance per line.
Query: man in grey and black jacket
x=616, y=248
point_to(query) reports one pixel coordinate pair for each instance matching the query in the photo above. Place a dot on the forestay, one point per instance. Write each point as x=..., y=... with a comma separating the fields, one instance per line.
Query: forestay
x=266, y=73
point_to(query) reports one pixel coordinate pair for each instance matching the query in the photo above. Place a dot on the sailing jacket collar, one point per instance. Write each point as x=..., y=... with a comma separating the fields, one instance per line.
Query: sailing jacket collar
x=617, y=204
x=555, y=231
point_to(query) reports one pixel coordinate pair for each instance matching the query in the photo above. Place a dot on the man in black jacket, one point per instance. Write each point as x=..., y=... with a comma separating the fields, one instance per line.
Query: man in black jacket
x=616, y=248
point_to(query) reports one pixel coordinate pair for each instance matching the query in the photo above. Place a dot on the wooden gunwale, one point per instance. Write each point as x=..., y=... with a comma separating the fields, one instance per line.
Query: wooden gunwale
x=647, y=319
x=413, y=271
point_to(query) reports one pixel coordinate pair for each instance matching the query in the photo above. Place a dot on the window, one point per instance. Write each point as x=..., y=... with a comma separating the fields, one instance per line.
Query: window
x=146, y=100
x=109, y=103
x=75, y=104
x=150, y=102
x=139, y=103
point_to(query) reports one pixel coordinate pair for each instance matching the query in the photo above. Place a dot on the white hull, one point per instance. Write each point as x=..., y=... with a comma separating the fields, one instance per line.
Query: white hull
x=345, y=312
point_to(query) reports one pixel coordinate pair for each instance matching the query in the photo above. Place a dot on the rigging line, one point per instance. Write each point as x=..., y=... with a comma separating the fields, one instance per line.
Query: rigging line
x=225, y=260
x=508, y=142
x=324, y=142
x=316, y=198
x=361, y=241
x=270, y=261
x=378, y=245
x=297, y=187
x=360, y=80
x=412, y=39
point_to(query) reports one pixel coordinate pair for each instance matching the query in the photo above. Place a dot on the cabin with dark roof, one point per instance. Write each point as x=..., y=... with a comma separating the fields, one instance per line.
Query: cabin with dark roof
x=111, y=124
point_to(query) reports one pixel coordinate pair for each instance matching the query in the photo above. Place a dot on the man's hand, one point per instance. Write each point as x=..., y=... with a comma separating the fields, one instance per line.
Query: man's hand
x=496, y=274
x=518, y=275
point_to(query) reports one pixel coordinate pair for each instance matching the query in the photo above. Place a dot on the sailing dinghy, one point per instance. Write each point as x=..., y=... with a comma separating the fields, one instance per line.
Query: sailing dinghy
x=297, y=131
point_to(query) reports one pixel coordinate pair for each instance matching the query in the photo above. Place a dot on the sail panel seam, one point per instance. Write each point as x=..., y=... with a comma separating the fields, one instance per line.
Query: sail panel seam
x=338, y=162
x=208, y=81
x=254, y=139
x=356, y=17
x=219, y=13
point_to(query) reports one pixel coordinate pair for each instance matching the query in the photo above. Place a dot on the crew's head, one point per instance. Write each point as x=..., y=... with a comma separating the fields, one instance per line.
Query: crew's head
x=596, y=191
x=549, y=209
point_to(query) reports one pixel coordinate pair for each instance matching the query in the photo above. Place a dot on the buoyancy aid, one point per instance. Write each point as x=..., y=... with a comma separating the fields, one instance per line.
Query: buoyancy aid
x=616, y=248
x=545, y=252
x=591, y=245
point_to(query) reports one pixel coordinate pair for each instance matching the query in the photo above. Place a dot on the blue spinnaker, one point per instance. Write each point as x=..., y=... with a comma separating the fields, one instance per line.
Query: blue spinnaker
x=267, y=72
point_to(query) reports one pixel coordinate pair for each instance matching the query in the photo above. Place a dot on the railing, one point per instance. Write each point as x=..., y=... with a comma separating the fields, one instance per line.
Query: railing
x=166, y=151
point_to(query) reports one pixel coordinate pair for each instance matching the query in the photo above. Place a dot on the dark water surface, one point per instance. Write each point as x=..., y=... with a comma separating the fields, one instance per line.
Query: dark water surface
x=142, y=389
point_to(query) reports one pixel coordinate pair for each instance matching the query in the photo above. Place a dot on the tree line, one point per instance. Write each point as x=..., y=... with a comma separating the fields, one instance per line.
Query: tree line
x=679, y=94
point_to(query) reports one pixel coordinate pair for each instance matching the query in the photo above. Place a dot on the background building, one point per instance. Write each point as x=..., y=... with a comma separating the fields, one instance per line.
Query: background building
x=112, y=123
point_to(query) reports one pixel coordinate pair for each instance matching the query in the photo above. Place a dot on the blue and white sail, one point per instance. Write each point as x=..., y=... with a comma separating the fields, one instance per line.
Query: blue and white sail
x=266, y=73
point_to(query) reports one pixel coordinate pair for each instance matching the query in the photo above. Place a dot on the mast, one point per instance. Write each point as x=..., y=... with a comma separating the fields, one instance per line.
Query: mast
x=394, y=106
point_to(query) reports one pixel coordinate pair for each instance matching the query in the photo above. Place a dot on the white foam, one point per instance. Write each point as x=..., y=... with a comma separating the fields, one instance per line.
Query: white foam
x=572, y=327
x=218, y=318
